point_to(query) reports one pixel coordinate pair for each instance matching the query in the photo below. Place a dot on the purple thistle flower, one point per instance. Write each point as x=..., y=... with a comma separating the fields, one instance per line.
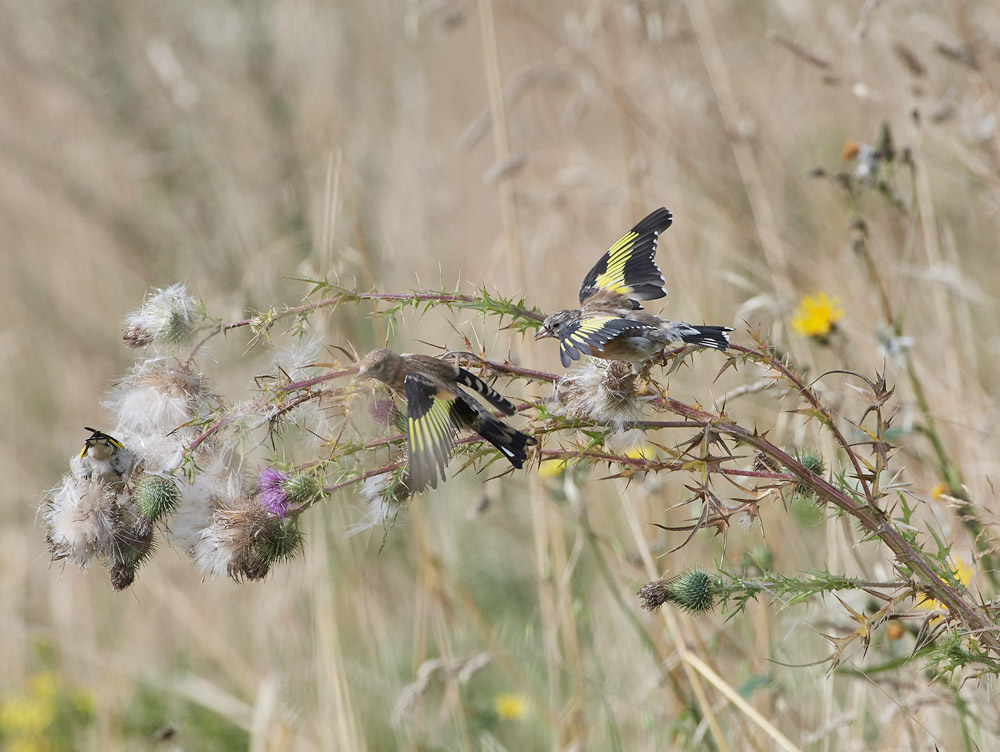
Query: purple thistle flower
x=273, y=496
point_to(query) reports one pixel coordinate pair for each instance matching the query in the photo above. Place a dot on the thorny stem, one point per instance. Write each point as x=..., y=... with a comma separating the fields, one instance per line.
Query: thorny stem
x=268, y=397
x=343, y=295
x=872, y=519
x=644, y=464
x=814, y=402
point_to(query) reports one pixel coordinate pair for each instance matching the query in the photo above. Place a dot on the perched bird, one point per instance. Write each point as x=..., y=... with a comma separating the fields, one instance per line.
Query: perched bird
x=436, y=408
x=610, y=323
x=102, y=457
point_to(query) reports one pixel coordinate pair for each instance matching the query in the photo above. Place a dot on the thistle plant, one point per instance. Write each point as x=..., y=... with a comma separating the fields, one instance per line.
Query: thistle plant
x=194, y=483
x=227, y=480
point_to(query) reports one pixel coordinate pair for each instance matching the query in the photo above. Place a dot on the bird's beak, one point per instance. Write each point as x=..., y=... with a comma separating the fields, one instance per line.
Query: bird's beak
x=541, y=333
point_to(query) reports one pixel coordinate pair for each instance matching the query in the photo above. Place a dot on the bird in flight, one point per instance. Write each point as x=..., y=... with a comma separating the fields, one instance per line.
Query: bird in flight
x=437, y=406
x=610, y=322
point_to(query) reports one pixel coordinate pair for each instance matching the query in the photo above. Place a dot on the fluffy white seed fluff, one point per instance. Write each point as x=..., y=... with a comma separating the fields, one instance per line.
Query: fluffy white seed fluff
x=151, y=403
x=602, y=392
x=216, y=547
x=215, y=487
x=80, y=519
x=165, y=319
x=290, y=361
x=157, y=396
x=380, y=503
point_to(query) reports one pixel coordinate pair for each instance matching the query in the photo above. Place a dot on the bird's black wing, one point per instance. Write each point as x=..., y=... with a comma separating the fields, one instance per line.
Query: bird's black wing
x=434, y=413
x=628, y=268
x=594, y=332
x=490, y=394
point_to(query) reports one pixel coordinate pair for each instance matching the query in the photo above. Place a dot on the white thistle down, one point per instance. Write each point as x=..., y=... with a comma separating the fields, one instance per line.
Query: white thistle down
x=80, y=517
x=217, y=484
x=601, y=392
x=381, y=501
x=151, y=404
x=165, y=319
x=288, y=362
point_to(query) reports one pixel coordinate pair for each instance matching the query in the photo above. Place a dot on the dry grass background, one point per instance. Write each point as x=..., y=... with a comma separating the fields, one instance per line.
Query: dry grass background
x=235, y=145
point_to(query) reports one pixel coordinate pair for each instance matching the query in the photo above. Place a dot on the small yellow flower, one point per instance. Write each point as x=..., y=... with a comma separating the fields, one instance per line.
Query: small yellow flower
x=816, y=315
x=510, y=706
x=963, y=573
x=43, y=685
x=26, y=717
x=938, y=490
x=641, y=450
x=551, y=468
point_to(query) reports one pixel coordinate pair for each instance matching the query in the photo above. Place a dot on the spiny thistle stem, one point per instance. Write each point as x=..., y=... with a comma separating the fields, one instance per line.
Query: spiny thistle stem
x=365, y=476
x=814, y=402
x=342, y=295
x=265, y=399
x=872, y=519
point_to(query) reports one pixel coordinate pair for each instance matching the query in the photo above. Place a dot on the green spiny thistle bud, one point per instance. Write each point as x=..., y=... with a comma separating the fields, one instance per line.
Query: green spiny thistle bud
x=155, y=496
x=693, y=590
x=813, y=462
x=282, y=541
x=301, y=489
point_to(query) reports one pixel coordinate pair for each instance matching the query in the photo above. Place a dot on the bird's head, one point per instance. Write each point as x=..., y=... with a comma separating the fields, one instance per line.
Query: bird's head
x=555, y=322
x=378, y=364
x=100, y=446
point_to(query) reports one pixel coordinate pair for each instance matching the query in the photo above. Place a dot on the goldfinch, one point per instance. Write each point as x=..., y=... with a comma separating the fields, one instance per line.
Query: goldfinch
x=102, y=457
x=436, y=407
x=610, y=323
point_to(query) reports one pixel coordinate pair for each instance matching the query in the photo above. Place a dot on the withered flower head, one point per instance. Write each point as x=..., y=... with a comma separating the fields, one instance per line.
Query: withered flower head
x=603, y=392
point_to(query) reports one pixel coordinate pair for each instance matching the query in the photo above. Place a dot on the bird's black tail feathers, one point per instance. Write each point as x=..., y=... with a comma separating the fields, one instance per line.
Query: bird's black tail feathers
x=490, y=394
x=707, y=336
x=511, y=442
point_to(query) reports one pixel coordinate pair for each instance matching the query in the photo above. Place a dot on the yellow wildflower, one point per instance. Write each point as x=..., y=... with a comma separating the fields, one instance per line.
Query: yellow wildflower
x=816, y=315
x=641, y=450
x=551, y=468
x=510, y=706
x=43, y=685
x=29, y=717
x=938, y=490
x=963, y=573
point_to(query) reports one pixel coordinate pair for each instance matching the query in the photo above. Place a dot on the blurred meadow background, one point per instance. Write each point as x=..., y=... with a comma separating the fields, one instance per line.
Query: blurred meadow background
x=447, y=144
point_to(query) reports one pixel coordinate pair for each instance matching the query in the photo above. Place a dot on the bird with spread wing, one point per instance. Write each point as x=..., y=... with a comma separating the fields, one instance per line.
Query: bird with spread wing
x=610, y=322
x=437, y=407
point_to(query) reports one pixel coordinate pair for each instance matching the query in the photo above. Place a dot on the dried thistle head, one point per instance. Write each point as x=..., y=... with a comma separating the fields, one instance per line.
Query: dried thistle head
x=153, y=404
x=243, y=539
x=88, y=519
x=80, y=519
x=132, y=546
x=165, y=319
x=157, y=396
x=603, y=392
